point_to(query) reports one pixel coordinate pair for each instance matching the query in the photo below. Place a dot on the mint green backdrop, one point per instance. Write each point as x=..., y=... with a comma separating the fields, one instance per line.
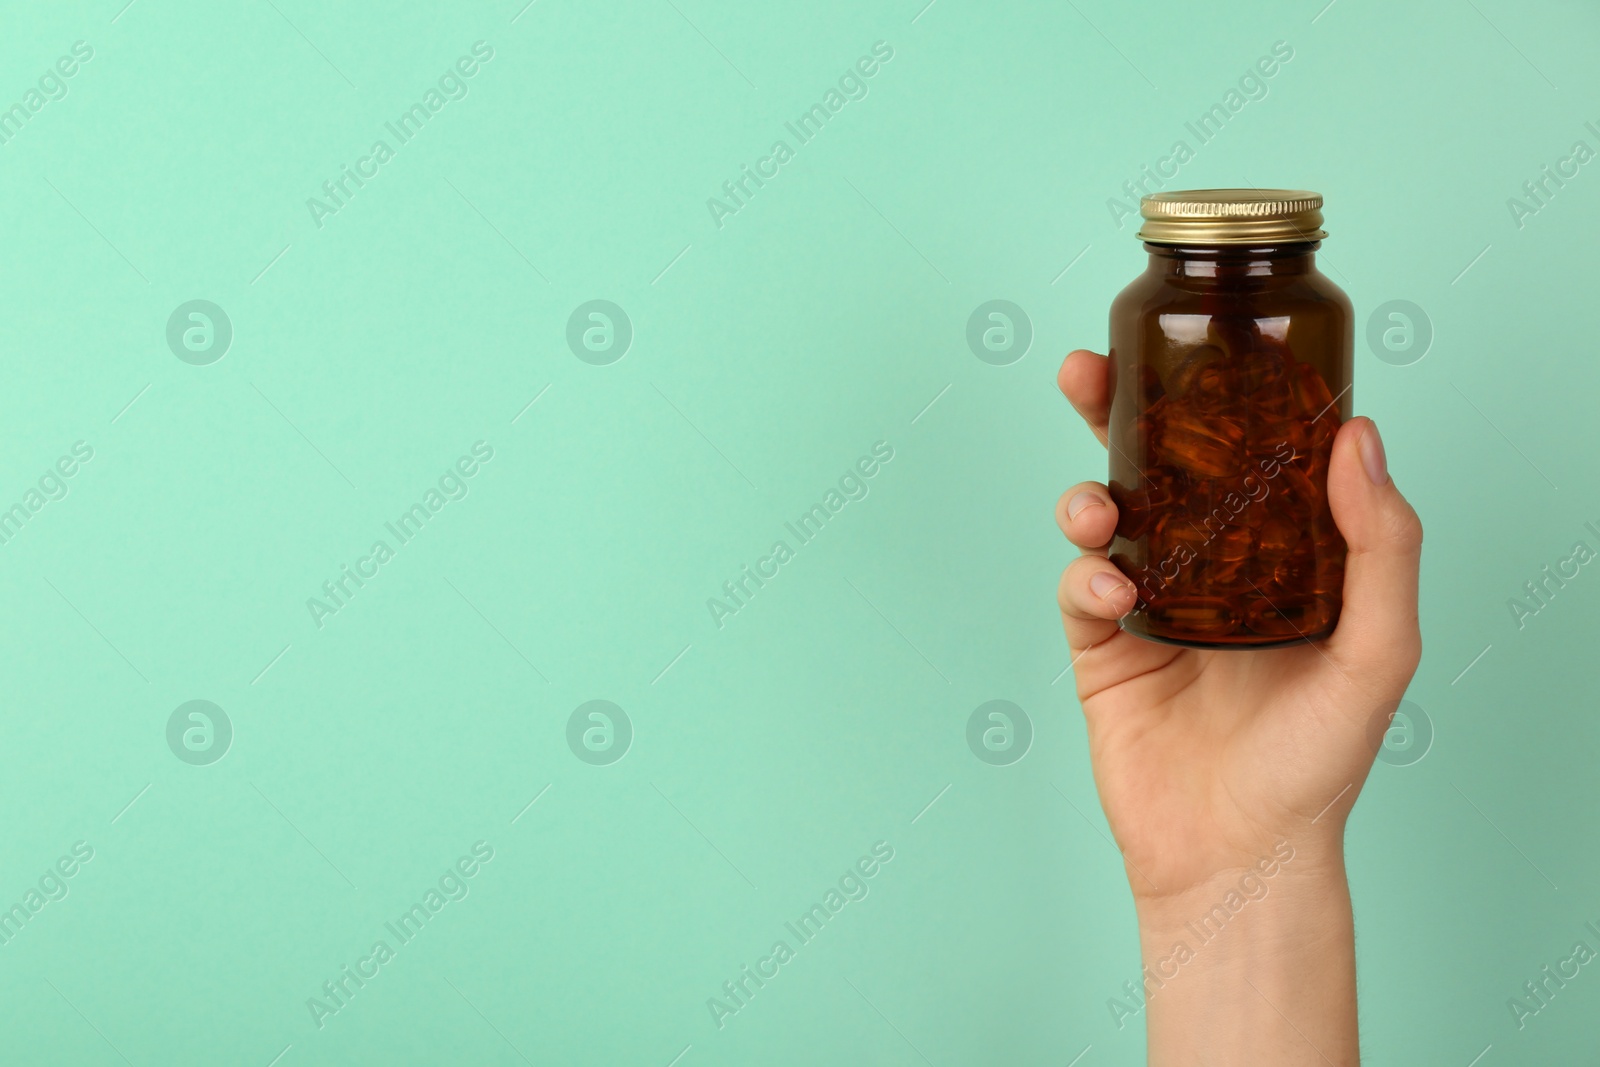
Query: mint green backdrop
x=352, y=753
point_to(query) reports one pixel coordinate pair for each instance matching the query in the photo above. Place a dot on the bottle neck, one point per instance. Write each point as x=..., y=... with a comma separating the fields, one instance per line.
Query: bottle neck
x=1233, y=261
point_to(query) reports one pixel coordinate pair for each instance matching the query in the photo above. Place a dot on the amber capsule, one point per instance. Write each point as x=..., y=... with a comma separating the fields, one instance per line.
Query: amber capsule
x=1180, y=380
x=1138, y=508
x=1230, y=544
x=1296, y=496
x=1214, y=388
x=1279, y=537
x=1296, y=573
x=1208, y=445
x=1288, y=616
x=1280, y=437
x=1311, y=393
x=1260, y=370
x=1198, y=617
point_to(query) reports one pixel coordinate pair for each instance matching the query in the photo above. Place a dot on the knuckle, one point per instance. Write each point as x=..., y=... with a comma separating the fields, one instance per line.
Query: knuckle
x=1064, y=588
x=1404, y=528
x=1410, y=651
x=1072, y=578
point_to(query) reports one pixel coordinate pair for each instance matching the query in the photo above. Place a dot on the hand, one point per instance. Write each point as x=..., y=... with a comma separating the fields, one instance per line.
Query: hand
x=1205, y=760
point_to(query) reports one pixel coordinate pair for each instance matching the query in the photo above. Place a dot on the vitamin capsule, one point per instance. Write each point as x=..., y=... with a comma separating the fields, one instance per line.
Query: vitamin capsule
x=1279, y=437
x=1181, y=381
x=1288, y=616
x=1230, y=544
x=1297, y=499
x=1322, y=431
x=1214, y=388
x=1259, y=370
x=1297, y=572
x=1194, y=616
x=1310, y=391
x=1137, y=508
x=1278, y=538
x=1209, y=445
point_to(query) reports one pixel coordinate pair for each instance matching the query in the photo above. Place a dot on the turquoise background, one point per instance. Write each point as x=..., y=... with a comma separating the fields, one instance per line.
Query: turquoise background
x=768, y=354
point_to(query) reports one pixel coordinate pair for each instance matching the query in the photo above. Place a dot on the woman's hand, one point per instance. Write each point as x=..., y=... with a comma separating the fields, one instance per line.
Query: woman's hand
x=1206, y=761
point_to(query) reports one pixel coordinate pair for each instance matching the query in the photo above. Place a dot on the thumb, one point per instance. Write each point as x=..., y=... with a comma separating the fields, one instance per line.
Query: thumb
x=1378, y=636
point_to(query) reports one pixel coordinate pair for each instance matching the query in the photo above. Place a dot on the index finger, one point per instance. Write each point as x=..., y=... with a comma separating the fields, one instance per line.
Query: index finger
x=1085, y=380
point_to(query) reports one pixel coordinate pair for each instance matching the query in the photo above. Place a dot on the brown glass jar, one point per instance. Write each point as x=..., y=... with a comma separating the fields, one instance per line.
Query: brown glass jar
x=1230, y=374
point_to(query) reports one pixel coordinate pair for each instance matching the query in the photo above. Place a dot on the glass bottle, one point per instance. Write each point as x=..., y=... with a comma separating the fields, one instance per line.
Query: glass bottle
x=1231, y=372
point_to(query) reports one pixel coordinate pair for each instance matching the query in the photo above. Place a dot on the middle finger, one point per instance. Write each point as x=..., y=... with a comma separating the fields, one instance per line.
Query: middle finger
x=1087, y=515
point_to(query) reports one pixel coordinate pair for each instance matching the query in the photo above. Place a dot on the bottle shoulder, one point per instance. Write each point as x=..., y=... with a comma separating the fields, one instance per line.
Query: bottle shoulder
x=1152, y=293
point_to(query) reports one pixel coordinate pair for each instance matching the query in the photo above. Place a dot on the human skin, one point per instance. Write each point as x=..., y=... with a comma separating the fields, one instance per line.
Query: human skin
x=1206, y=762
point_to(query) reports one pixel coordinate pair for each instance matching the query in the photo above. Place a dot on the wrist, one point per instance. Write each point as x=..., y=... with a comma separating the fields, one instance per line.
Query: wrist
x=1253, y=917
x=1254, y=964
x=1302, y=870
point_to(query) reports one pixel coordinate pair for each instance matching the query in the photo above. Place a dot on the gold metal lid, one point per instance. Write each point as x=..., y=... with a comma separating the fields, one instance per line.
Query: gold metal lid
x=1209, y=217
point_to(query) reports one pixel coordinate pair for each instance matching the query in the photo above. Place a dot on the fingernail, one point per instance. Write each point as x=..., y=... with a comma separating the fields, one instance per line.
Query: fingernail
x=1104, y=583
x=1372, y=457
x=1080, y=501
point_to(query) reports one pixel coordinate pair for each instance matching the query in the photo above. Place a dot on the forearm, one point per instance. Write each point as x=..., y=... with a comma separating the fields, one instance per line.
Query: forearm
x=1266, y=981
